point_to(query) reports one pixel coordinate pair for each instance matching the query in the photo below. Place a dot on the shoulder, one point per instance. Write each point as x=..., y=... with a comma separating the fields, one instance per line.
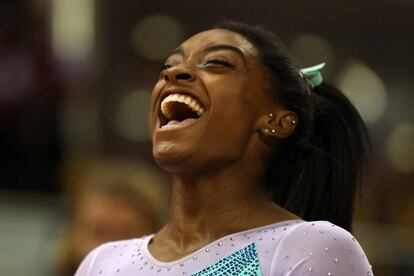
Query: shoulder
x=96, y=258
x=319, y=248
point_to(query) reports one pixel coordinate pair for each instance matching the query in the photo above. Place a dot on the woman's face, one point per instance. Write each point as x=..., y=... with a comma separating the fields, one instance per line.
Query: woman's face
x=206, y=103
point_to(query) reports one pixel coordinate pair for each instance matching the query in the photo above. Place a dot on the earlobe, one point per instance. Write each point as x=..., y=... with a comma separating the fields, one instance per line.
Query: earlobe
x=278, y=125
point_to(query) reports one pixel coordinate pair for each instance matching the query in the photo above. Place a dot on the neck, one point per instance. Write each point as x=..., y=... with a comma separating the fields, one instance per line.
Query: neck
x=205, y=208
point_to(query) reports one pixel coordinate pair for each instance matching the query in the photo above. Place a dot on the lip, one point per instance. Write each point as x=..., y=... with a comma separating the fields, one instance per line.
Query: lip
x=179, y=90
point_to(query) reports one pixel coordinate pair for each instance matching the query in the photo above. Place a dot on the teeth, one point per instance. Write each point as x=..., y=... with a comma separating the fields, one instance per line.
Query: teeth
x=189, y=101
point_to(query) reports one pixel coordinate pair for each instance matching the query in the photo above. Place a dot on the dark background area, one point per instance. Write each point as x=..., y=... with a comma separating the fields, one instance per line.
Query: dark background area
x=75, y=80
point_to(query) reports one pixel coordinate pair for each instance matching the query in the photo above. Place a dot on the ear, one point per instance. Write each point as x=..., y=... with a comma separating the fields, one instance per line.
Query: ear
x=278, y=124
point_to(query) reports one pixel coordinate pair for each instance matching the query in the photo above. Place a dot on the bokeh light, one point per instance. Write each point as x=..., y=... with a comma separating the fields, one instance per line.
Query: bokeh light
x=131, y=115
x=362, y=85
x=400, y=147
x=73, y=29
x=155, y=36
x=310, y=49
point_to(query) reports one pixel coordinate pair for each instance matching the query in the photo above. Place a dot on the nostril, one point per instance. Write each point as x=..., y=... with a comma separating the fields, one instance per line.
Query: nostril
x=166, y=78
x=183, y=76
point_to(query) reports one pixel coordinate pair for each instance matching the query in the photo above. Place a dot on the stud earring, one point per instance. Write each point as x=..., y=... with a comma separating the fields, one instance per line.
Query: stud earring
x=293, y=122
x=265, y=131
x=273, y=131
x=270, y=116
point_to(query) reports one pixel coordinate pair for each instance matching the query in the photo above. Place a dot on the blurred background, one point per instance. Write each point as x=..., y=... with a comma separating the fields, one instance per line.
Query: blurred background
x=75, y=83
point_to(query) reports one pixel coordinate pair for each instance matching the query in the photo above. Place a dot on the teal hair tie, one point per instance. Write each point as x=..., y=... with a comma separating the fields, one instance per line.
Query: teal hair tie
x=313, y=75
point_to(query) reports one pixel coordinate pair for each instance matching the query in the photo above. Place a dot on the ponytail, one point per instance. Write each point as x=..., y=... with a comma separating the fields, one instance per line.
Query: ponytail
x=317, y=170
x=321, y=176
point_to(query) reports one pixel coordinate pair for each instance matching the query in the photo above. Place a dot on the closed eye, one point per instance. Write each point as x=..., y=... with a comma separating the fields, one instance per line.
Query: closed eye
x=165, y=66
x=219, y=62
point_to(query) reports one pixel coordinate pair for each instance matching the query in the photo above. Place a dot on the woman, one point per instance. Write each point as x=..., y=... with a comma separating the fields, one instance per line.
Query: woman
x=259, y=153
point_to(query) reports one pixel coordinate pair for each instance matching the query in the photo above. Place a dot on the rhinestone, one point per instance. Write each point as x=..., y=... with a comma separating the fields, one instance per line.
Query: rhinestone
x=287, y=257
x=219, y=244
x=260, y=239
x=232, y=238
x=310, y=269
x=334, y=238
x=118, y=270
x=284, y=229
x=168, y=268
x=182, y=264
x=232, y=244
x=304, y=233
x=336, y=260
x=145, y=263
x=141, y=268
x=321, y=231
x=313, y=224
x=329, y=274
x=353, y=239
x=273, y=131
x=326, y=249
x=207, y=250
x=194, y=257
x=159, y=270
x=311, y=254
x=152, y=267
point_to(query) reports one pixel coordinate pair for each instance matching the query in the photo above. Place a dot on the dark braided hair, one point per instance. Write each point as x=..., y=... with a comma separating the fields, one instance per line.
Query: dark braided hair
x=319, y=167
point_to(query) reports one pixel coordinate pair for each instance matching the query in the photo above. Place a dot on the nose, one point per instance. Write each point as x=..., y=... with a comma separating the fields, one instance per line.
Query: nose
x=179, y=73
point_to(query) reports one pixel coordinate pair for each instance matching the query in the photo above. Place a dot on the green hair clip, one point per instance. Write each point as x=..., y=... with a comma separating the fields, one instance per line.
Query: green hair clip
x=313, y=75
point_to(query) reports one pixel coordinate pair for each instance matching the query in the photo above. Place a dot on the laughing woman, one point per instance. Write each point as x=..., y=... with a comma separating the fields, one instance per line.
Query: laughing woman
x=265, y=160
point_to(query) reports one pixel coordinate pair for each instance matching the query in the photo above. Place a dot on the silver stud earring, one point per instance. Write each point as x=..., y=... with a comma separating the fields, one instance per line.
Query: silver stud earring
x=293, y=122
x=273, y=131
x=266, y=131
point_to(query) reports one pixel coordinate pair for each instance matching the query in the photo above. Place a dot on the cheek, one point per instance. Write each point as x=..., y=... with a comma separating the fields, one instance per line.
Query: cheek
x=232, y=112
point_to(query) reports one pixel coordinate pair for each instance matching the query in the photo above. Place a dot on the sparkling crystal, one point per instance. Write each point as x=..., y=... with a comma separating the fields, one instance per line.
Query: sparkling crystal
x=310, y=269
x=336, y=260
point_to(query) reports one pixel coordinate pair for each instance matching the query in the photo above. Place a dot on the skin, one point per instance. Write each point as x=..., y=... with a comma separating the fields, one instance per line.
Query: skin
x=217, y=161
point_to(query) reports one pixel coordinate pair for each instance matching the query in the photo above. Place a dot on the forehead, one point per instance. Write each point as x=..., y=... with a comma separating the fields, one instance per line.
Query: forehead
x=218, y=36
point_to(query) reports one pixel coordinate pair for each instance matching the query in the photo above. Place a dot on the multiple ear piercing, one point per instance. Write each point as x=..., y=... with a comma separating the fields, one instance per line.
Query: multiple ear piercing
x=269, y=132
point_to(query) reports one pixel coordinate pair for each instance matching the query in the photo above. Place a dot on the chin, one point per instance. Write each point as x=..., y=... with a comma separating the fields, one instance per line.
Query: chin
x=170, y=157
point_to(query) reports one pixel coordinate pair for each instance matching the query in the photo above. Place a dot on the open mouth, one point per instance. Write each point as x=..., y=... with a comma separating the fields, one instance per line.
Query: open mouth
x=176, y=108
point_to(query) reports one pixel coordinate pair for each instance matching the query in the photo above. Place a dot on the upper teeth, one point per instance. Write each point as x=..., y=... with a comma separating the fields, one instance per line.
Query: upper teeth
x=189, y=101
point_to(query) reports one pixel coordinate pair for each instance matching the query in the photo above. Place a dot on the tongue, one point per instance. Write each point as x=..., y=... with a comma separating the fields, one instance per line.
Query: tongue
x=173, y=122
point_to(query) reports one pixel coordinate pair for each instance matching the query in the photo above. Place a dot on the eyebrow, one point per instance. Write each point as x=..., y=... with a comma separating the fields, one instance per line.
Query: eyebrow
x=218, y=47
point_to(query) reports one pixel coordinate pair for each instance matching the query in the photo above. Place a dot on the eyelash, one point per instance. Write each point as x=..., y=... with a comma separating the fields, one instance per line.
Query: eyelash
x=213, y=60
